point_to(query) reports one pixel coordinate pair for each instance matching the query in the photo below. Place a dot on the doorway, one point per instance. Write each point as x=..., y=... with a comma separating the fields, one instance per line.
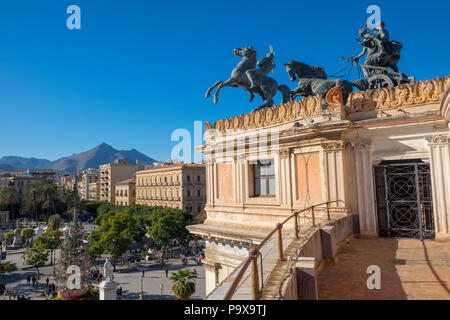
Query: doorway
x=404, y=199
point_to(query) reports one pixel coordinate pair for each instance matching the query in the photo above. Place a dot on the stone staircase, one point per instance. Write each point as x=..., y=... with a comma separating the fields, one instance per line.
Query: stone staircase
x=274, y=272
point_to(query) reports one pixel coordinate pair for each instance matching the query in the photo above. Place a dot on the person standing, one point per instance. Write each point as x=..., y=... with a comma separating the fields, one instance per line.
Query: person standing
x=143, y=273
x=33, y=280
x=47, y=281
x=167, y=272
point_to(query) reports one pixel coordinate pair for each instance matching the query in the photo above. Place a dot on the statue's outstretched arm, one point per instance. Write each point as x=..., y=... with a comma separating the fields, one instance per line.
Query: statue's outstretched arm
x=356, y=58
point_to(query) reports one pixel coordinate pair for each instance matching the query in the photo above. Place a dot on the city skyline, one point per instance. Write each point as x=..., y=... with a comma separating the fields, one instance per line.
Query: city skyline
x=131, y=67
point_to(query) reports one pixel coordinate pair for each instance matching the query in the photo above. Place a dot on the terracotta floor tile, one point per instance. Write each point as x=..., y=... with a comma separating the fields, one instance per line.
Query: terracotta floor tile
x=410, y=269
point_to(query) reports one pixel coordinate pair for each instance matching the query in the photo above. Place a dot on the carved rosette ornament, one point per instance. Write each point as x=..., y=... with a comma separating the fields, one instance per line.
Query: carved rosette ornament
x=438, y=139
x=332, y=146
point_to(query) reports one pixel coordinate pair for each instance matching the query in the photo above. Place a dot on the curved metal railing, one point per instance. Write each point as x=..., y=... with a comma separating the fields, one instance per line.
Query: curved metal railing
x=255, y=252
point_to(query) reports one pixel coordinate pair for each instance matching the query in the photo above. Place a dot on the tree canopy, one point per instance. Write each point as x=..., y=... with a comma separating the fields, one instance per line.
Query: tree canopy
x=121, y=227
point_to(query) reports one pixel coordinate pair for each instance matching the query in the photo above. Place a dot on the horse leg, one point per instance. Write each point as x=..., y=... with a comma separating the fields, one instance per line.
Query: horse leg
x=252, y=96
x=212, y=88
x=226, y=83
x=267, y=98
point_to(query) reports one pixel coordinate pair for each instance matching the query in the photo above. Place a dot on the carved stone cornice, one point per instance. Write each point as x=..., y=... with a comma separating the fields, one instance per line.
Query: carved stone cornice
x=332, y=146
x=405, y=95
x=438, y=139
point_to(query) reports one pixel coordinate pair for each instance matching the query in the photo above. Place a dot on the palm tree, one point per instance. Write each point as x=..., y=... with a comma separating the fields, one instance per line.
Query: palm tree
x=41, y=197
x=9, y=196
x=183, y=286
x=49, y=195
x=33, y=198
x=72, y=201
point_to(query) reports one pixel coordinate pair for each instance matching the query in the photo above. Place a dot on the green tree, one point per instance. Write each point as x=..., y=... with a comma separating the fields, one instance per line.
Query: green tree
x=27, y=234
x=55, y=222
x=183, y=287
x=9, y=198
x=7, y=267
x=114, y=236
x=92, y=206
x=50, y=240
x=73, y=201
x=36, y=257
x=170, y=224
x=41, y=197
x=9, y=237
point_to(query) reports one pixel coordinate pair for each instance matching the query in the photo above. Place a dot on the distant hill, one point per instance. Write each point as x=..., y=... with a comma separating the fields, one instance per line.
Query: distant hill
x=92, y=158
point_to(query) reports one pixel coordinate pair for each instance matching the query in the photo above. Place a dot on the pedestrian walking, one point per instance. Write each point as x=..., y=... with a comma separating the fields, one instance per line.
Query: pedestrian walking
x=143, y=273
x=167, y=272
x=28, y=280
x=47, y=281
x=33, y=280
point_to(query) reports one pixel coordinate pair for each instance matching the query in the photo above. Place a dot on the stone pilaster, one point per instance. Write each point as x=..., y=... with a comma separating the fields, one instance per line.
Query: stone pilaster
x=440, y=173
x=285, y=177
x=334, y=171
x=364, y=188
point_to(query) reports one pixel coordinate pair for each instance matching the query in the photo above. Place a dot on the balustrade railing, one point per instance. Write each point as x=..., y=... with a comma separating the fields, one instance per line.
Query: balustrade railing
x=255, y=252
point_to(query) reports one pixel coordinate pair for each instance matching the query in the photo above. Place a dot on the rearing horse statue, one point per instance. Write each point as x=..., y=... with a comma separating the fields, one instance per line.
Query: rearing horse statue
x=253, y=80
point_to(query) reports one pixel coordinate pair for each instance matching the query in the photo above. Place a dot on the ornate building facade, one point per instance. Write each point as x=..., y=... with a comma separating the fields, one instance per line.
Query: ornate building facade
x=175, y=185
x=385, y=155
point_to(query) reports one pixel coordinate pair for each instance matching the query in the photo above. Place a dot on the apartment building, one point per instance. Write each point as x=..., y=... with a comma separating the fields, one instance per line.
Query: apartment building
x=94, y=191
x=4, y=180
x=88, y=176
x=173, y=185
x=126, y=192
x=112, y=173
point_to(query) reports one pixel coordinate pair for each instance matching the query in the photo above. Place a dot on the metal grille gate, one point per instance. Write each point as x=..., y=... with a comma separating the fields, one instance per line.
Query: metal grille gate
x=403, y=197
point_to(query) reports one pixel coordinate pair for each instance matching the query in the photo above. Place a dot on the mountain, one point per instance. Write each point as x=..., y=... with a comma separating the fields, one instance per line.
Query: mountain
x=92, y=158
x=17, y=163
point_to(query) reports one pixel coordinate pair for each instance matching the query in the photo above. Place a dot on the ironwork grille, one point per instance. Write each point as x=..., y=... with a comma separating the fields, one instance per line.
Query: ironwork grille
x=404, y=203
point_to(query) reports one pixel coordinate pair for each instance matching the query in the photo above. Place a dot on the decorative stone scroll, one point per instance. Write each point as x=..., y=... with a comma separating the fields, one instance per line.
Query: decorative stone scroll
x=404, y=95
x=438, y=139
x=306, y=108
x=334, y=97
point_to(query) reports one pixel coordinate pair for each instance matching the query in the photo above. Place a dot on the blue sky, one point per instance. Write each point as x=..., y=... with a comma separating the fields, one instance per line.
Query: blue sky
x=137, y=70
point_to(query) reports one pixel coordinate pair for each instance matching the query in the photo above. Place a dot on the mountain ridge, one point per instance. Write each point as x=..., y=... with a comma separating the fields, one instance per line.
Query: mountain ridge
x=92, y=158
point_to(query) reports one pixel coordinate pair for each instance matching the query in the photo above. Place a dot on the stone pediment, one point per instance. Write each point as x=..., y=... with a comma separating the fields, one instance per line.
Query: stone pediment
x=405, y=95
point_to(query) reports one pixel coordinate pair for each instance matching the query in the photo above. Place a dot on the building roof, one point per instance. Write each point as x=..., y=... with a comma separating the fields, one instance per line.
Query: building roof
x=127, y=181
x=173, y=166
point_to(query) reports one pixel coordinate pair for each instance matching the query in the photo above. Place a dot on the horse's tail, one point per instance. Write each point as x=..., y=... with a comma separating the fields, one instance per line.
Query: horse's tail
x=361, y=84
x=286, y=92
